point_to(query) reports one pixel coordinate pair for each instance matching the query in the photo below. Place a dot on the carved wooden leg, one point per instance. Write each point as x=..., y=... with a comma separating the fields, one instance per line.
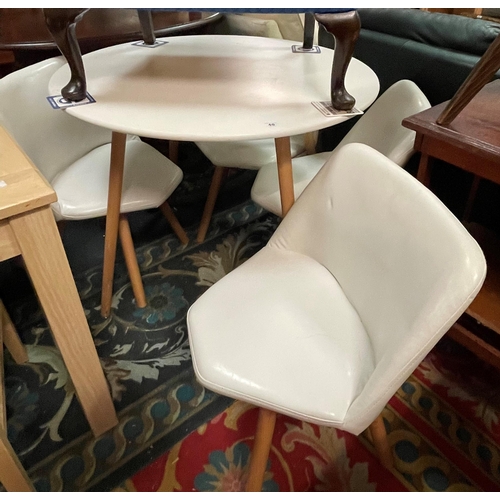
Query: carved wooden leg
x=345, y=27
x=481, y=74
x=260, y=451
x=213, y=191
x=308, y=31
x=148, y=32
x=285, y=173
x=62, y=24
x=379, y=438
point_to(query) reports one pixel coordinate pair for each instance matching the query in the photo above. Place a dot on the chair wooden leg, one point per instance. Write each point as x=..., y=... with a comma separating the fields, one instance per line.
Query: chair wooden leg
x=12, y=473
x=379, y=438
x=173, y=151
x=210, y=203
x=260, y=451
x=131, y=261
x=285, y=173
x=11, y=338
x=112, y=217
x=174, y=222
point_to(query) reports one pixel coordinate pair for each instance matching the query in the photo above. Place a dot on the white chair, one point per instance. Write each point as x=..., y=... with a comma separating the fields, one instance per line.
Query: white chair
x=74, y=156
x=250, y=155
x=380, y=127
x=327, y=321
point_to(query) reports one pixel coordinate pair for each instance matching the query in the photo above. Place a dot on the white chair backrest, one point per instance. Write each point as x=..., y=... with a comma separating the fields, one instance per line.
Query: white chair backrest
x=404, y=261
x=380, y=127
x=51, y=138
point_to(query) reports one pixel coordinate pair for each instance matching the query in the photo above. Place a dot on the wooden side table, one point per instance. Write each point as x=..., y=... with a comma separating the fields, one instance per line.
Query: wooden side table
x=28, y=228
x=471, y=142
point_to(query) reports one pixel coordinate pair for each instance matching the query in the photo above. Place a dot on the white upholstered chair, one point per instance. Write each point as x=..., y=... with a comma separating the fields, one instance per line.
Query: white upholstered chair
x=327, y=321
x=74, y=156
x=238, y=154
x=380, y=127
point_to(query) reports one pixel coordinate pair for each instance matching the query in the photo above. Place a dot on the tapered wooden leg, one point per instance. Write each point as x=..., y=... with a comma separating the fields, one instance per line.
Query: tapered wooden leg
x=173, y=151
x=424, y=169
x=38, y=238
x=472, y=197
x=12, y=473
x=285, y=173
x=11, y=338
x=261, y=448
x=131, y=260
x=174, y=222
x=379, y=437
x=310, y=140
x=213, y=191
x=112, y=219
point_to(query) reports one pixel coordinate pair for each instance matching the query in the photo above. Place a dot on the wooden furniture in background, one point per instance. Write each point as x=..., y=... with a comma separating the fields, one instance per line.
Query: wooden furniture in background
x=471, y=142
x=28, y=228
x=12, y=474
x=343, y=24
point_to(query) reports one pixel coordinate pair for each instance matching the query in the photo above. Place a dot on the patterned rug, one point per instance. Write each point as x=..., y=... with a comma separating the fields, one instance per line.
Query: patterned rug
x=145, y=356
x=442, y=424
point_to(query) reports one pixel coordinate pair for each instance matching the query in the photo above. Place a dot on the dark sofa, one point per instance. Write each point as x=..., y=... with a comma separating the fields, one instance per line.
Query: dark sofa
x=437, y=52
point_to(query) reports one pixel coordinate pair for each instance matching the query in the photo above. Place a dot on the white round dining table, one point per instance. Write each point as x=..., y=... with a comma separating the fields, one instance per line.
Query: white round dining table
x=208, y=88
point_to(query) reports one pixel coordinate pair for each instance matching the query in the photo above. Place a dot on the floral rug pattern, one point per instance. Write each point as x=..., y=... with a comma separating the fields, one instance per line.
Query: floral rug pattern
x=145, y=357
x=443, y=429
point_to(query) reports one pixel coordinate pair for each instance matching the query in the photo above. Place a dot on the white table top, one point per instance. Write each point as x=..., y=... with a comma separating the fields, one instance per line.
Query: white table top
x=213, y=88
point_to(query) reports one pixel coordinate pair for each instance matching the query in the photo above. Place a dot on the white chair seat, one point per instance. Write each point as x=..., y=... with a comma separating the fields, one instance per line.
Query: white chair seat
x=287, y=299
x=380, y=128
x=247, y=154
x=82, y=188
x=266, y=190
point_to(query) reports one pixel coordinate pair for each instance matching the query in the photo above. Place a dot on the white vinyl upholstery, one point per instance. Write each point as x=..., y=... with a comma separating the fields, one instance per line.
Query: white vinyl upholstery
x=250, y=155
x=380, y=127
x=329, y=319
x=73, y=155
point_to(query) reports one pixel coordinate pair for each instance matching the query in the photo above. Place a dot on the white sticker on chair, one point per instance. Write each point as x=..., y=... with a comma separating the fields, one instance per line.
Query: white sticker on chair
x=3, y=184
x=328, y=110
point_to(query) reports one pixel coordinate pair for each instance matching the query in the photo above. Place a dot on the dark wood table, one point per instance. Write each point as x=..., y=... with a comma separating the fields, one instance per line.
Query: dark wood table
x=471, y=142
x=24, y=32
x=25, y=29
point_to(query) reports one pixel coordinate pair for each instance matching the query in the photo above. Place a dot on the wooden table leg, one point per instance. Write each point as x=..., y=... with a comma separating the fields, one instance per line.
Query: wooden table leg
x=285, y=173
x=41, y=247
x=112, y=219
x=424, y=169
